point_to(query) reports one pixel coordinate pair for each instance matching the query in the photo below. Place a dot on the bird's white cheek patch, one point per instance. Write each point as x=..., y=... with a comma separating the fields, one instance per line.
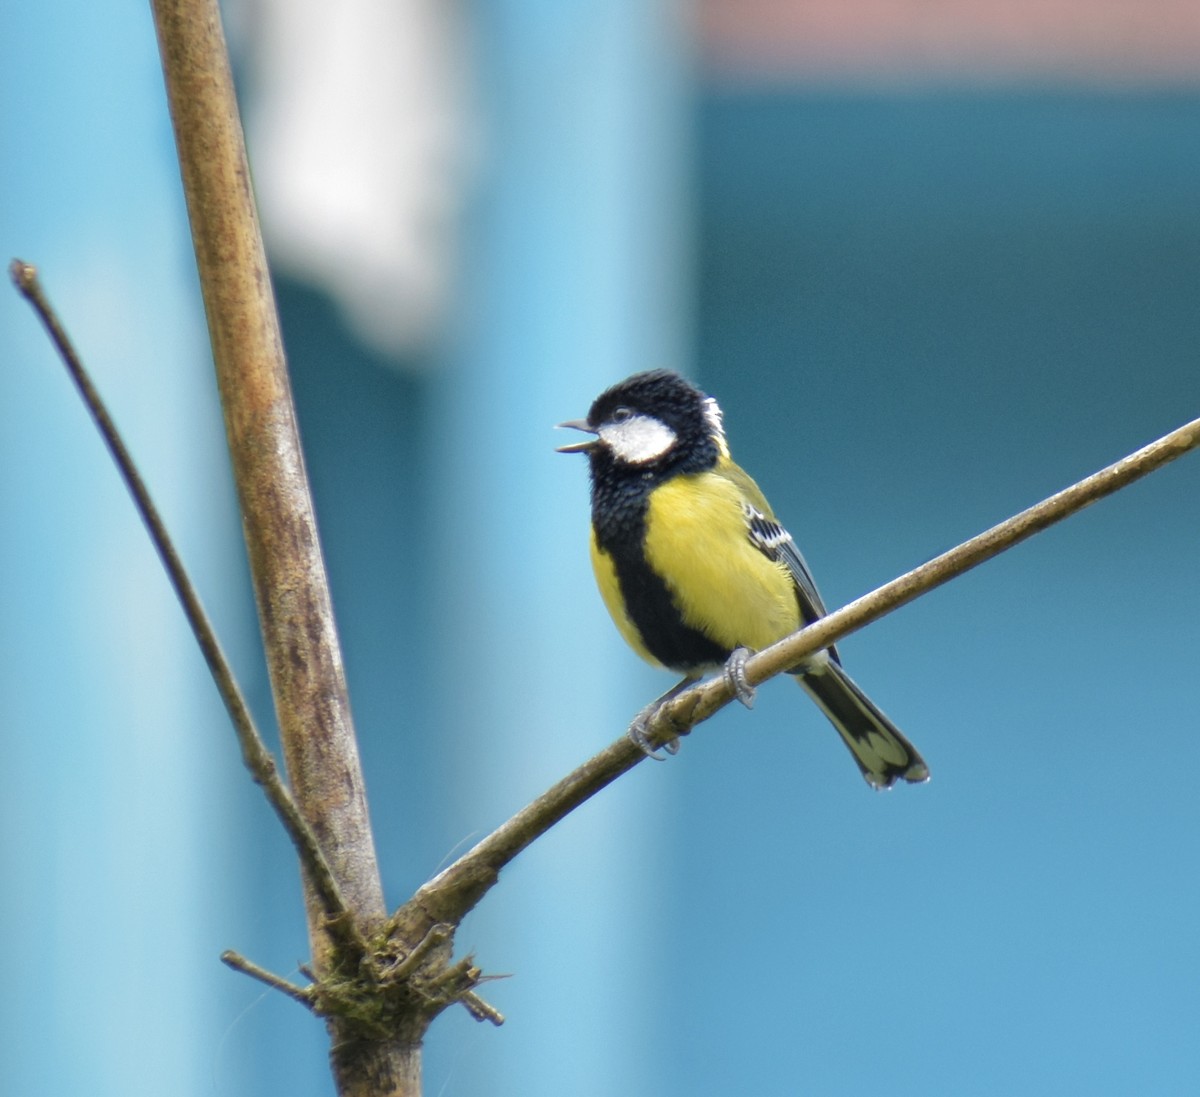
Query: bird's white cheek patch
x=638, y=439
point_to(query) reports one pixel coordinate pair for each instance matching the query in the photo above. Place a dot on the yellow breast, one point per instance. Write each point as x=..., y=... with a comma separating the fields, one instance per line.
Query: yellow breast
x=697, y=540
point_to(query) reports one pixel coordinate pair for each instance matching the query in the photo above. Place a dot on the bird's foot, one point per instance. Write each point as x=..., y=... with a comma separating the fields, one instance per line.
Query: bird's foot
x=641, y=739
x=638, y=733
x=735, y=676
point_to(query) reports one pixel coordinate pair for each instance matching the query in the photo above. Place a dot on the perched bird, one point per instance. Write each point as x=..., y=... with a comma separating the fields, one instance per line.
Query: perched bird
x=695, y=569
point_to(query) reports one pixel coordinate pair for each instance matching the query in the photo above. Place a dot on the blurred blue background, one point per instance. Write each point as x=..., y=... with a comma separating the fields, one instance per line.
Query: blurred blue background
x=929, y=289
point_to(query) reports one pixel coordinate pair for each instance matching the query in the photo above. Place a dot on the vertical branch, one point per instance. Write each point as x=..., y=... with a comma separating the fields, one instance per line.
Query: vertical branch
x=303, y=654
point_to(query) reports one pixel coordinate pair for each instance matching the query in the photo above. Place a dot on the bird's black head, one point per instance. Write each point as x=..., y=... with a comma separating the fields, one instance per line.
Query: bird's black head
x=655, y=422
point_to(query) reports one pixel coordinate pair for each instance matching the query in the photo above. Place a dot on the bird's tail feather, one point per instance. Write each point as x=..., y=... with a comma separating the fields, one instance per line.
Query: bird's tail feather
x=879, y=747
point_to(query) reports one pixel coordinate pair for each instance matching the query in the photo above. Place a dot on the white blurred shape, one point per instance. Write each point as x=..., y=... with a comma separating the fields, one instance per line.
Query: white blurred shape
x=358, y=132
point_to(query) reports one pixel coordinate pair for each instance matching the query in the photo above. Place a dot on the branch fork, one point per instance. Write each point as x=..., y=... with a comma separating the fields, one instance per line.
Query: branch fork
x=381, y=981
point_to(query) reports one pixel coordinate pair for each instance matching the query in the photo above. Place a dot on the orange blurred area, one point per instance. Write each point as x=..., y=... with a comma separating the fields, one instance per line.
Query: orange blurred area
x=1086, y=40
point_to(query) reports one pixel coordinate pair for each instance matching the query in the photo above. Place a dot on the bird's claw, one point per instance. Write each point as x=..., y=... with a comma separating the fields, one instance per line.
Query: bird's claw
x=640, y=737
x=735, y=676
x=637, y=730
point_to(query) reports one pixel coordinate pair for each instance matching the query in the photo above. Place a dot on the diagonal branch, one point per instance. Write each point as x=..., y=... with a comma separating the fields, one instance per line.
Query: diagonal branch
x=456, y=890
x=257, y=757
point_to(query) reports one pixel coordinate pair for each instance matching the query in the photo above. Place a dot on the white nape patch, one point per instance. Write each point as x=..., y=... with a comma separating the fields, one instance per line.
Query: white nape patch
x=638, y=439
x=716, y=424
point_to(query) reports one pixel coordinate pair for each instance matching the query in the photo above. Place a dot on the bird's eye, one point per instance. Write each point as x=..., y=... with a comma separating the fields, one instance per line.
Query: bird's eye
x=621, y=414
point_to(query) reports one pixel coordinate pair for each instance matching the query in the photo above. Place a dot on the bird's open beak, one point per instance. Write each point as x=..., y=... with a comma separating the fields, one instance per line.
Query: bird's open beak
x=579, y=447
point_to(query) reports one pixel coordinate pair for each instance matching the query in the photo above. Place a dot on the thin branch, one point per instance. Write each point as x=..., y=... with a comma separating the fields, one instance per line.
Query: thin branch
x=453, y=892
x=437, y=936
x=481, y=1010
x=257, y=757
x=304, y=995
x=792, y=650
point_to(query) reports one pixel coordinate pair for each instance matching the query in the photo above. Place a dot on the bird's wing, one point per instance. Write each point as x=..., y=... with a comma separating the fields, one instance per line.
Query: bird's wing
x=771, y=539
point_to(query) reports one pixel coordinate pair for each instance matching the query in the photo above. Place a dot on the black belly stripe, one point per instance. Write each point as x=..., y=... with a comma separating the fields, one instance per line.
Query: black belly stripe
x=650, y=606
x=620, y=525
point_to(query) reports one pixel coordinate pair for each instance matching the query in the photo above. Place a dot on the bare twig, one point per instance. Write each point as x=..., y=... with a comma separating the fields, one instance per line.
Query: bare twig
x=437, y=936
x=259, y=760
x=701, y=702
x=304, y=995
x=451, y=894
x=481, y=1010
